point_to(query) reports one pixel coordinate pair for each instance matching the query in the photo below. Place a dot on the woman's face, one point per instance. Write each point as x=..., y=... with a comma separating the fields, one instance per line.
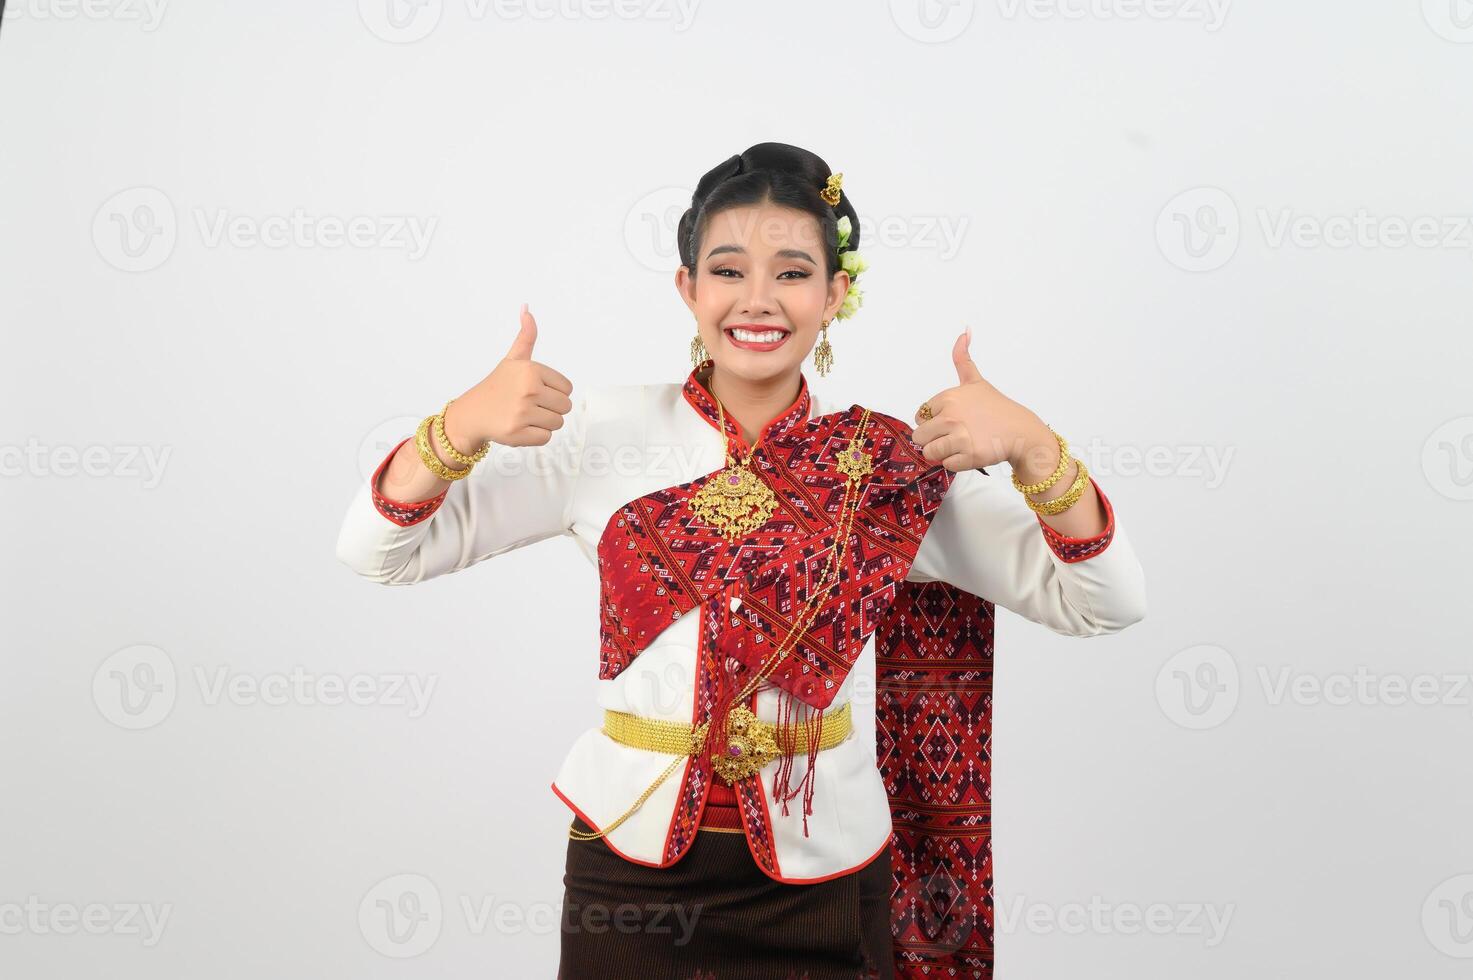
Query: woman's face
x=760, y=292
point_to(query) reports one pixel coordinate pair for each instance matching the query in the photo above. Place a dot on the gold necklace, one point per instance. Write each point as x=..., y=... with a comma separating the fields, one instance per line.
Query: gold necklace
x=735, y=501
x=752, y=752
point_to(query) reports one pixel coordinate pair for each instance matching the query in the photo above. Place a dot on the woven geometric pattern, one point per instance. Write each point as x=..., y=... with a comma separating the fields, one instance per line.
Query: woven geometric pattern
x=933, y=731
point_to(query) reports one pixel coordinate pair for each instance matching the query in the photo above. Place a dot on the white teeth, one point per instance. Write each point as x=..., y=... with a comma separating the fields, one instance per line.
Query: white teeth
x=752, y=337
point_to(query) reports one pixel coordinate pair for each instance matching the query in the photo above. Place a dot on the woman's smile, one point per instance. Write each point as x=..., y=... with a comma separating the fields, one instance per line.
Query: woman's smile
x=756, y=336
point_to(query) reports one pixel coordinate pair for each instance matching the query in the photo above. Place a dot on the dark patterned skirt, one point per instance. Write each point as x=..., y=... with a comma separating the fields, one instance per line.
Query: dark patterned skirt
x=714, y=915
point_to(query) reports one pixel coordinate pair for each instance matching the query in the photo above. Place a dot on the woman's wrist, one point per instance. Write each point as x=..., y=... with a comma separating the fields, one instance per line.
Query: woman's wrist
x=458, y=432
x=1038, y=456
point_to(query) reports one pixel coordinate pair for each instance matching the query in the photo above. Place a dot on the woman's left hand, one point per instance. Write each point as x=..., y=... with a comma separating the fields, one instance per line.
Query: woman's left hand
x=974, y=424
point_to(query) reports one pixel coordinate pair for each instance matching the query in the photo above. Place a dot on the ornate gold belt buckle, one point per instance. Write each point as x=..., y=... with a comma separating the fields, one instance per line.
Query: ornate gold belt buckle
x=749, y=746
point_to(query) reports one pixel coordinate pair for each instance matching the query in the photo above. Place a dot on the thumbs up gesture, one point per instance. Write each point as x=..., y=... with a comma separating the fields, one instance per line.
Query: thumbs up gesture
x=974, y=424
x=520, y=403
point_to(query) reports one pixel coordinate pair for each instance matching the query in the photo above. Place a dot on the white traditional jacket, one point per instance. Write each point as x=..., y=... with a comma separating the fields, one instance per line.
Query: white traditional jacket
x=930, y=554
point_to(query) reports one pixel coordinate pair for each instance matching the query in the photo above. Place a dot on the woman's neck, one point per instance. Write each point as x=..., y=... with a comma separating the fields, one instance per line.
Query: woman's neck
x=753, y=404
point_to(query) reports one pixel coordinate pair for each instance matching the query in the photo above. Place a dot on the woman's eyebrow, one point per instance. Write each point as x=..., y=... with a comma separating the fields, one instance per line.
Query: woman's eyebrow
x=786, y=253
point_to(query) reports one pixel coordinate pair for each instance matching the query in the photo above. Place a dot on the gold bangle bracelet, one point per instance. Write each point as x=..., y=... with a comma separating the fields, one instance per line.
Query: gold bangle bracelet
x=451, y=451
x=422, y=443
x=1068, y=498
x=1053, y=477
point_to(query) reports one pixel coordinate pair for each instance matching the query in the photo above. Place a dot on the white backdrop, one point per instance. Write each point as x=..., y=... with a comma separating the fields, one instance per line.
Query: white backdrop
x=1224, y=247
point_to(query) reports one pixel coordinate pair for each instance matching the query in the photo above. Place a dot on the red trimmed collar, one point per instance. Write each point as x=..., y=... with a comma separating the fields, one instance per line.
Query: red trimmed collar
x=786, y=421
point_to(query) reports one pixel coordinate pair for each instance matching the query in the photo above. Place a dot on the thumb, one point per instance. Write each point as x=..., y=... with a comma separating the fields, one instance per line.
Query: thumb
x=961, y=355
x=521, y=347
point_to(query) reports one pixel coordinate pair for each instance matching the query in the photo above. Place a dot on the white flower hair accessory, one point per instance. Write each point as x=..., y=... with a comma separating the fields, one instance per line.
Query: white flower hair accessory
x=853, y=263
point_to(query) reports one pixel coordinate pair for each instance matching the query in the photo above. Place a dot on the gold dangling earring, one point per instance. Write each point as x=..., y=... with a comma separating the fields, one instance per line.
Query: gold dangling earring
x=823, y=354
x=698, y=355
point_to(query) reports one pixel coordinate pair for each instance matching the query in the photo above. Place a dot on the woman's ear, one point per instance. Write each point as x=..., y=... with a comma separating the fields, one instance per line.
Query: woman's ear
x=838, y=289
x=685, y=285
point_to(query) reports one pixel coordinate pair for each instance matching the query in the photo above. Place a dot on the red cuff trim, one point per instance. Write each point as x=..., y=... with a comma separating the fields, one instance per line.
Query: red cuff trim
x=1078, y=549
x=401, y=513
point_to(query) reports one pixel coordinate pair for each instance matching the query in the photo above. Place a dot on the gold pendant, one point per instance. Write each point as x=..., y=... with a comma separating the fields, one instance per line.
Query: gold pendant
x=735, y=502
x=749, y=746
x=855, y=463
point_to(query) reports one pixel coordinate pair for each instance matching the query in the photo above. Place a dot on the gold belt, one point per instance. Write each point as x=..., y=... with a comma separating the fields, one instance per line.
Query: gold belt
x=751, y=743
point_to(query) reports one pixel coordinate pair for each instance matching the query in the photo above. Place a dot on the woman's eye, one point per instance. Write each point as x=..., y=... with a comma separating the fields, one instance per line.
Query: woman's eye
x=722, y=270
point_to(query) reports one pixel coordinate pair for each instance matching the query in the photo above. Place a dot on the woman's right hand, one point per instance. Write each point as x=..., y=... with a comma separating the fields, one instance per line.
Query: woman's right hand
x=520, y=403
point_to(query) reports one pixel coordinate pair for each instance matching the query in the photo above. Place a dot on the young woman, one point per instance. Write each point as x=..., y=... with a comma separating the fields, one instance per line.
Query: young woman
x=751, y=537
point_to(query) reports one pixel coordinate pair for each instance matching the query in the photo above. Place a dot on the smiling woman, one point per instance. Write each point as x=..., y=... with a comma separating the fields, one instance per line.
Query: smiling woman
x=741, y=577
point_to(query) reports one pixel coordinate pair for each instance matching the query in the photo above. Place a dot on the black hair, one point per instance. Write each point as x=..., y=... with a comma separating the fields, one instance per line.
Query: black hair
x=784, y=175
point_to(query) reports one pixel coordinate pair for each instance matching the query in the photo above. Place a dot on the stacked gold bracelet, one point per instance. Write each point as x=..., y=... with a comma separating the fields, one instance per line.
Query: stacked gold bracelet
x=427, y=453
x=1066, y=500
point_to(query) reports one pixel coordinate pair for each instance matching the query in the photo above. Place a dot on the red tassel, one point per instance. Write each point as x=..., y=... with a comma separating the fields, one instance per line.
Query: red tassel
x=783, y=777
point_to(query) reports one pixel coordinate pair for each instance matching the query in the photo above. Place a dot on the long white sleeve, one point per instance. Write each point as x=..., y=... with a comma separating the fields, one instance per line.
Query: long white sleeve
x=517, y=495
x=984, y=539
